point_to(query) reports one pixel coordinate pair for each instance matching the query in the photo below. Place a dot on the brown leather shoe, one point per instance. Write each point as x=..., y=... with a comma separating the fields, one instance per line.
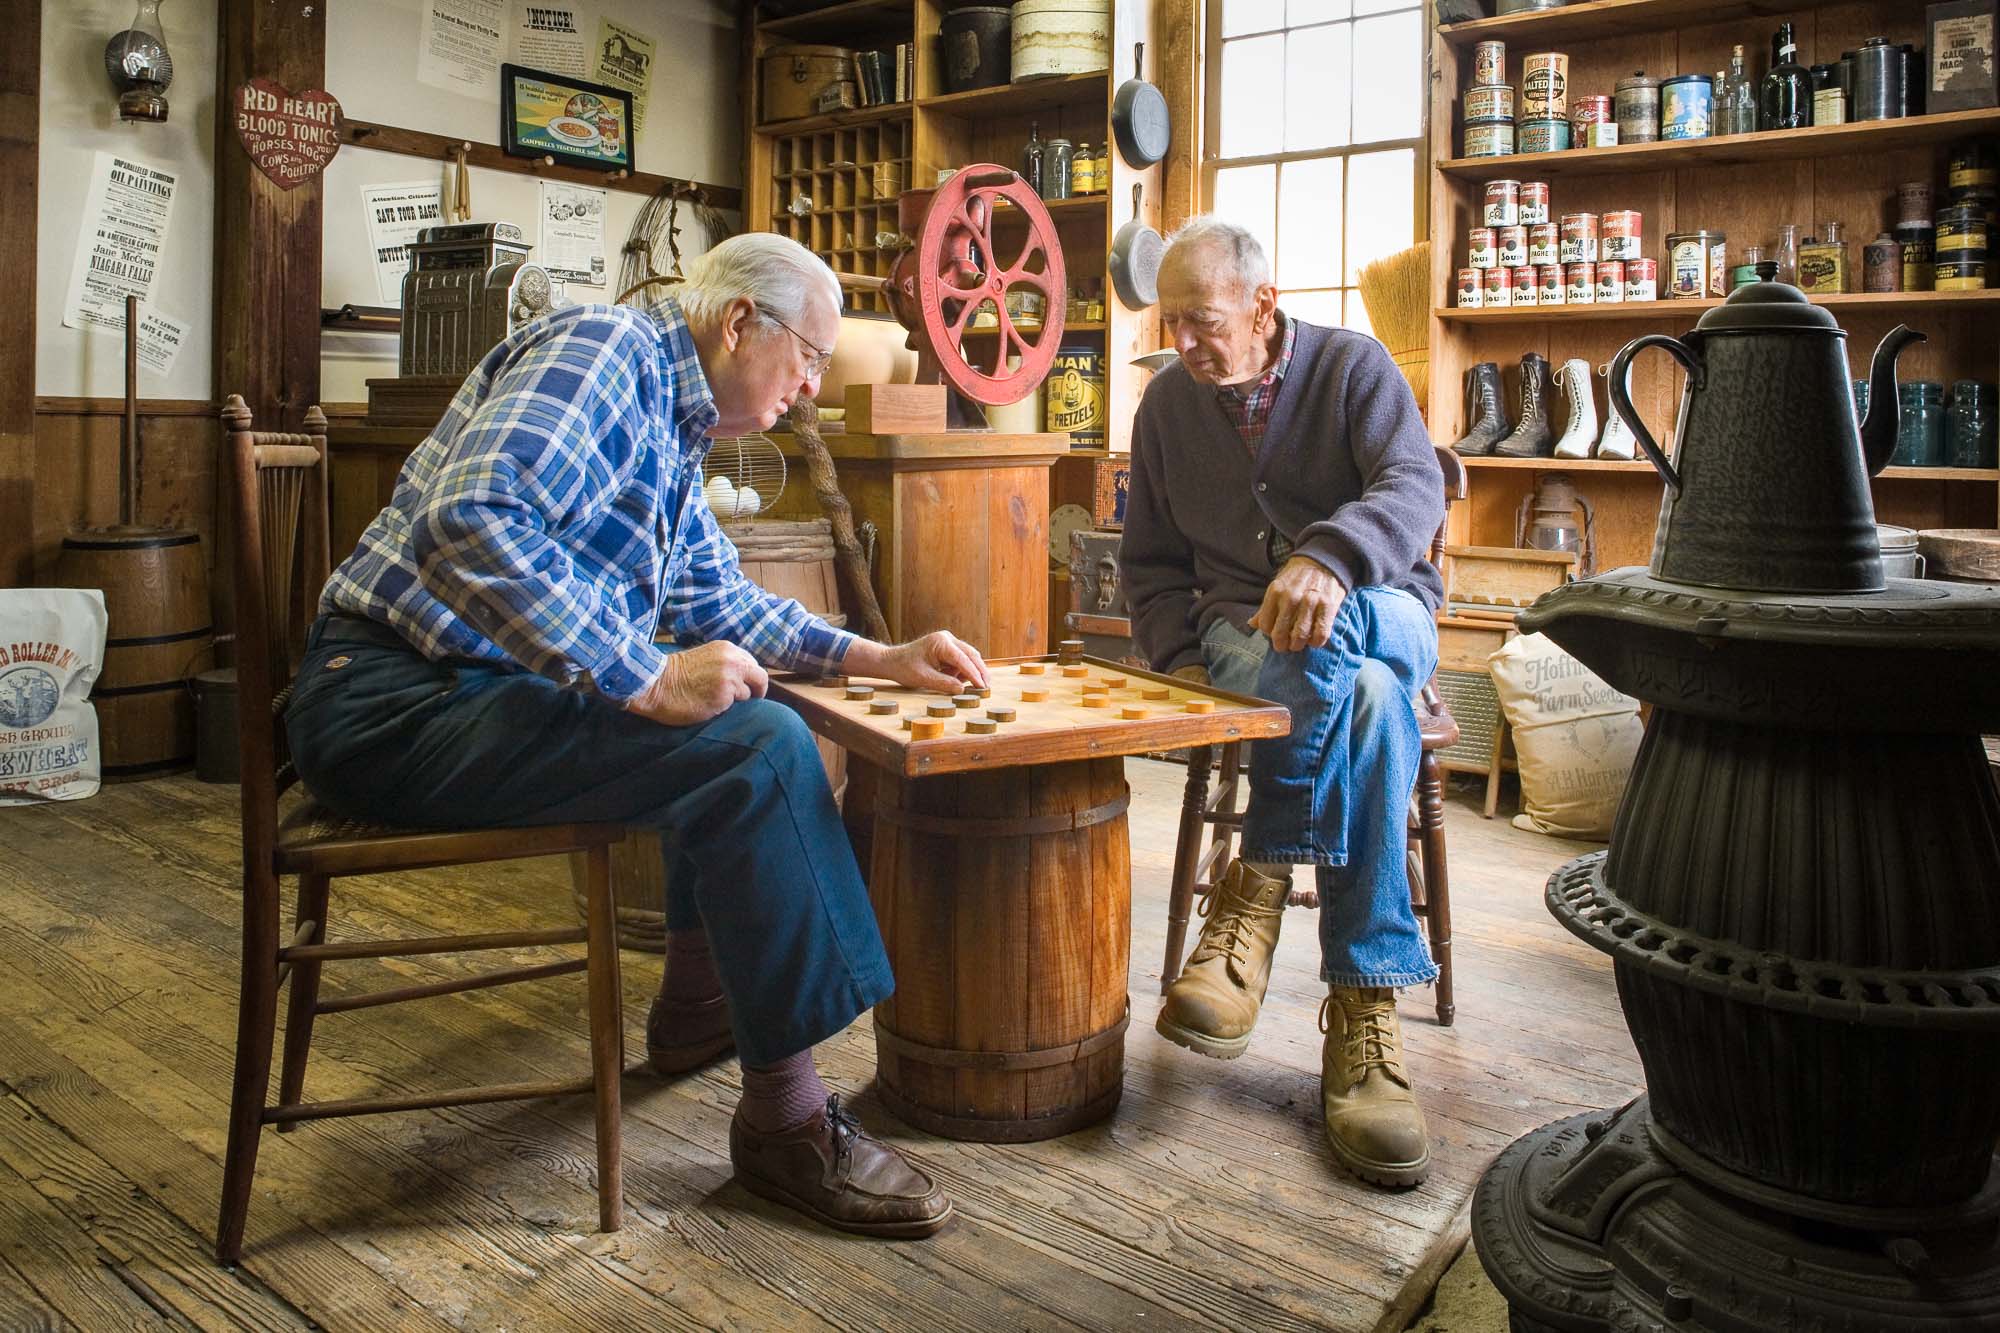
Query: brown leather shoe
x=1373, y=1122
x=685, y=1035
x=832, y=1172
x=1212, y=1005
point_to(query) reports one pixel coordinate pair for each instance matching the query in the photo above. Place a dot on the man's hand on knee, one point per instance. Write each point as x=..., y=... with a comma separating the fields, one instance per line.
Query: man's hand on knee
x=697, y=684
x=1300, y=606
x=1193, y=674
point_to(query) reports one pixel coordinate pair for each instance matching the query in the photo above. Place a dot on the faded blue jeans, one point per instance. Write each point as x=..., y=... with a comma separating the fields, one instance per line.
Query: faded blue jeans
x=1335, y=793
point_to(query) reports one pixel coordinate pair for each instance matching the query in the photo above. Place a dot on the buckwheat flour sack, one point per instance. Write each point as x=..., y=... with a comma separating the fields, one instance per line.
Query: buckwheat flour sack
x=51, y=649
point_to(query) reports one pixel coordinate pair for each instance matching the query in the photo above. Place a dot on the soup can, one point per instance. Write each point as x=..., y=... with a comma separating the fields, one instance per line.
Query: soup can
x=1642, y=280
x=1579, y=238
x=1526, y=288
x=1637, y=107
x=1546, y=134
x=1610, y=282
x=1499, y=286
x=1580, y=284
x=1545, y=244
x=1545, y=85
x=1489, y=102
x=1471, y=296
x=1489, y=138
x=1623, y=235
x=1687, y=107
x=1489, y=64
x=1503, y=203
x=1511, y=245
x=1481, y=248
x=1585, y=112
x=1534, y=202
x=1549, y=284
x=1697, y=264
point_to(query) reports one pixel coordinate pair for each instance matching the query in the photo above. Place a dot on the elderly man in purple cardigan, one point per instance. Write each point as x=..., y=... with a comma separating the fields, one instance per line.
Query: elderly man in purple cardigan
x=1284, y=493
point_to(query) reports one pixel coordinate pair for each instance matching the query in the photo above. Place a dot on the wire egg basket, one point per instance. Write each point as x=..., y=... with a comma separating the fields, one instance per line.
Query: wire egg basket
x=743, y=477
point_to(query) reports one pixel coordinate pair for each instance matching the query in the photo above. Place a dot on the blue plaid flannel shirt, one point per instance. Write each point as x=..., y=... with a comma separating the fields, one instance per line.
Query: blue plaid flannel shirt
x=555, y=519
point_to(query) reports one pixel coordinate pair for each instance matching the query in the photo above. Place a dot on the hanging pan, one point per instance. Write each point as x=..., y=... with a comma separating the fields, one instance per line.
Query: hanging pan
x=1135, y=260
x=1139, y=118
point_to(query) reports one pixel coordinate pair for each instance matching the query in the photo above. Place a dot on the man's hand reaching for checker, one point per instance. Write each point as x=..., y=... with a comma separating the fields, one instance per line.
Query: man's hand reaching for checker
x=939, y=662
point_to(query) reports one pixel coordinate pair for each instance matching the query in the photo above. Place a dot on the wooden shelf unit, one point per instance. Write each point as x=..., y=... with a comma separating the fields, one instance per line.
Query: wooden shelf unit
x=1743, y=186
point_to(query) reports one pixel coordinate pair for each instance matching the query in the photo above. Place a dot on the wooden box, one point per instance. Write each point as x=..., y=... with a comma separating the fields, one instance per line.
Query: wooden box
x=895, y=409
x=1959, y=65
x=1502, y=578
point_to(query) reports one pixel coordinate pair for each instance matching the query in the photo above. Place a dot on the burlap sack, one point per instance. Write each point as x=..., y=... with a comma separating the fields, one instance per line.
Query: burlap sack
x=1574, y=736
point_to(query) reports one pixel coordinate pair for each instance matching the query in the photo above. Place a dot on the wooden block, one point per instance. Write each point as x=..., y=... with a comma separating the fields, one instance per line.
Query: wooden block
x=1033, y=696
x=1132, y=711
x=941, y=710
x=926, y=729
x=1075, y=671
x=882, y=707
x=1097, y=701
x=1034, y=668
x=965, y=700
x=1155, y=692
x=1201, y=705
x=1002, y=714
x=981, y=726
x=895, y=409
x=860, y=692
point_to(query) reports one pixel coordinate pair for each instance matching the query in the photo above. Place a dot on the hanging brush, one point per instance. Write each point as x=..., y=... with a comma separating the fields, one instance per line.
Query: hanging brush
x=1396, y=291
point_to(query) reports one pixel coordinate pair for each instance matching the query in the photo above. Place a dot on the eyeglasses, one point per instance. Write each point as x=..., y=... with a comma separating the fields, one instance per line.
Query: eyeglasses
x=821, y=358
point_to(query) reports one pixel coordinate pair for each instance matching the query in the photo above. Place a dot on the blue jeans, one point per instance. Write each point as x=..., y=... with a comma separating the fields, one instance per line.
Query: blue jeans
x=754, y=846
x=1335, y=793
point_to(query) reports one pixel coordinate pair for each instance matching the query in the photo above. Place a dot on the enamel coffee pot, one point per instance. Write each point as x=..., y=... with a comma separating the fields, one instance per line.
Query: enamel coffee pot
x=1768, y=487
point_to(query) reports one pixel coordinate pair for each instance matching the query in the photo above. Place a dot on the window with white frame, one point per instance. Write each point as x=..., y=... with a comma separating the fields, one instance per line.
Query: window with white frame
x=1315, y=139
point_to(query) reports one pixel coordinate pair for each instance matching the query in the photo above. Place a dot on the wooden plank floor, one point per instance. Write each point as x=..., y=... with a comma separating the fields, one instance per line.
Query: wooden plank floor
x=1207, y=1201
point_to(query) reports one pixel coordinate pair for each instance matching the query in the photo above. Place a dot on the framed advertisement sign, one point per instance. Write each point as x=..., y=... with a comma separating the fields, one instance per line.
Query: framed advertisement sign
x=558, y=115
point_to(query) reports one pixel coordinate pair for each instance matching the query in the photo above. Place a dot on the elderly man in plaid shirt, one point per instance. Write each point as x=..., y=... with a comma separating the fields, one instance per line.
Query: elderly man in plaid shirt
x=488, y=655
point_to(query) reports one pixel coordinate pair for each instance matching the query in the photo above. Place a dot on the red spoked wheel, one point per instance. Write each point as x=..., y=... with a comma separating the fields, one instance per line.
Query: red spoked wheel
x=958, y=269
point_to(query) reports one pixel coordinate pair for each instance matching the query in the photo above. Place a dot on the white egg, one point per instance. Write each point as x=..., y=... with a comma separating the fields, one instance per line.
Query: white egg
x=721, y=496
x=748, y=502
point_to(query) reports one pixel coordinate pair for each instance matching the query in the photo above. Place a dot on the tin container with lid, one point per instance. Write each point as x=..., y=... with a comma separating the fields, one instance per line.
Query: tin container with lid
x=1913, y=202
x=1579, y=238
x=1960, y=227
x=1489, y=102
x=1882, y=265
x=1972, y=162
x=1687, y=107
x=1489, y=138
x=1917, y=240
x=1489, y=64
x=1636, y=105
x=1545, y=135
x=1545, y=85
x=1966, y=273
x=1585, y=112
x=1698, y=264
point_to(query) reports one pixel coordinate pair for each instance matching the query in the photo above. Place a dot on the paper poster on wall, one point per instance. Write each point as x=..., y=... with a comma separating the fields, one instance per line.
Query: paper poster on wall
x=160, y=339
x=396, y=213
x=548, y=37
x=459, y=47
x=125, y=217
x=572, y=245
x=625, y=60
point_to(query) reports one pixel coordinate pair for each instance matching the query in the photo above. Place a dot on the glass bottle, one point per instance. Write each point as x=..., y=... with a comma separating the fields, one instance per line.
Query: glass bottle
x=1032, y=156
x=140, y=66
x=1787, y=254
x=1784, y=100
x=1738, y=96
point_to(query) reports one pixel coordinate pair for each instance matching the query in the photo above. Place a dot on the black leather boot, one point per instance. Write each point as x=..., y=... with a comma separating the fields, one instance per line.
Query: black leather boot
x=1483, y=410
x=1532, y=437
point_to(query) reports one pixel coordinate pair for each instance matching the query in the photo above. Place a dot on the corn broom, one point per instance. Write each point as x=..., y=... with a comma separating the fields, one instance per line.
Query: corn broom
x=1396, y=291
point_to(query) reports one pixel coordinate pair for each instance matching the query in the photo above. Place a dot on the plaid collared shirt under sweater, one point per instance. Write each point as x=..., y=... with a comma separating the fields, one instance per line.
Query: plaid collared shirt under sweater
x=1248, y=407
x=555, y=519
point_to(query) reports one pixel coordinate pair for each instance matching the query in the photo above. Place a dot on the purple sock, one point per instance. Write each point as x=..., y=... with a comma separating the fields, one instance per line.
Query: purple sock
x=690, y=969
x=781, y=1096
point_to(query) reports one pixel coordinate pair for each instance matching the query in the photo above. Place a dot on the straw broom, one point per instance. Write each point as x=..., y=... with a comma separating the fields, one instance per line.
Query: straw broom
x=1396, y=291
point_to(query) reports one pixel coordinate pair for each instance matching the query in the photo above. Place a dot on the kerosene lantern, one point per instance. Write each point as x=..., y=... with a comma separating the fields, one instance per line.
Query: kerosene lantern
x=140, y=67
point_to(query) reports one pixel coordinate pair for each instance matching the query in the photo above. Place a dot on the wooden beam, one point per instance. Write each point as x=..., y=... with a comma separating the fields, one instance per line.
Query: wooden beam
x=1177, y=27
x=441, y=147
x=20, y=129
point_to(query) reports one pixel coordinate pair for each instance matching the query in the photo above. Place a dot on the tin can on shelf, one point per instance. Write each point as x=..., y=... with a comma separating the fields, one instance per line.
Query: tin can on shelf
x=1526, y=288
x=1489, y=138
x=1913, y=203
x=1481, y=248
x=1829, y=105
x=1511, y=245
x=1076, y=396
x=1499, y=286
x=1471, y=295
x=1642, y=280
x=1579, y=238
x=1960, y=227
x=1545, y=244
x=1489, y=64
x=1503, y=203
x=1919, y=255
x=1534, y=202
x=1545, y=85
x=1965, y=274
x=1579, y=284
x=1972, y=163
x=1687, y=107
x=1549, y=284
x=1544, y=135
x=1604, y=134
x=1697, y=264
x=1489, y=102
x=1594, y=109
x=1623, y=234
x=1636, y=106
x=1882, y=265
x=1610, y=281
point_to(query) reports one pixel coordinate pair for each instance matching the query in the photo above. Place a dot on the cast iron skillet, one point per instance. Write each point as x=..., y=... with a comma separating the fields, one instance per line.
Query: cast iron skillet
x=1135, y=260
x=1139, y=117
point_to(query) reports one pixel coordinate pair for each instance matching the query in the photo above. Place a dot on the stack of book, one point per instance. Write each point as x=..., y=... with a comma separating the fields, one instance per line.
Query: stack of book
x=885, y=76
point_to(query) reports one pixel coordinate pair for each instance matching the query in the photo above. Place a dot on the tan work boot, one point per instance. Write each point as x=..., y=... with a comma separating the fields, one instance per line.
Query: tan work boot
x=1373, y=1122
x=1213, y=1004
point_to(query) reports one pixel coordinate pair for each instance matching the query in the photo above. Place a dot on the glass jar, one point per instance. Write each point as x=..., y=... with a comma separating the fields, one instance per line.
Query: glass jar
x=1970, y=427
x=1919, y=424
x=1787, y=254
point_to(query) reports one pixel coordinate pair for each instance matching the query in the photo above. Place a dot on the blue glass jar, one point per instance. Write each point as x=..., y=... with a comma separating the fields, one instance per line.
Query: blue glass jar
x=1970, y=426
x=1860, y=402
x=1919, y=424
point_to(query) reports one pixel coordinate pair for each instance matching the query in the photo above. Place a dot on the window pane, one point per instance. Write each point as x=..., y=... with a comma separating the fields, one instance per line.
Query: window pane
x=1298, y=13
x=1380, y=6
x=1309, y=223
x=1357, y=313
x=1381, y=206
x=1388, y=77
x=1248, y=195
x=1253, y=96
x=1241, y=16
x=1317, y=87
x=1312, y=307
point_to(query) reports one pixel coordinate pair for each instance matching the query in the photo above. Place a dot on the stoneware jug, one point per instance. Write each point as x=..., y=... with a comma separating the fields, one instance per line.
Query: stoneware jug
x=1768, y=487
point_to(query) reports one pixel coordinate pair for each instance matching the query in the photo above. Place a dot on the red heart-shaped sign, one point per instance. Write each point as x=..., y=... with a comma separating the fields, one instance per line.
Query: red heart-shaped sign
x=290, y=136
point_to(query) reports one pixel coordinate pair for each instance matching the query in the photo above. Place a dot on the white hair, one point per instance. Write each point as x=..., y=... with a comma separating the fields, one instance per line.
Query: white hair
x=1228, y=247
x=778, y=274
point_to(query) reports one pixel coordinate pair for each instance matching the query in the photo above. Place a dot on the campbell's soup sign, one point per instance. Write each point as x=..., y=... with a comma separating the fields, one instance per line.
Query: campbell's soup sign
x=1076, y=397
x=51, y=649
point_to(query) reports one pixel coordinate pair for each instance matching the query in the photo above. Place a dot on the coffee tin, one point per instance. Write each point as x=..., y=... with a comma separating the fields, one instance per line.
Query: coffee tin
x=1511, y=243
x=1480, y=248
x=1610, y=282
x=1549, y=284
x=1471, y=296
x=1545, y=135
x=1499, y=286
x=1623, y=235
x=1489, y=102
x=1579, y=238
x=1526, y=290
x=1534, y=203
x=1545, y=244
x=1642, y=280
x=1698, y=264
x=1687, y=107
x=1882, y=265
x=1489, y=64
x=1503, y=203
x=1962, y=275
x=1637, y=107
x=1580, y=284
x=1489, y=138
x=1545, y=85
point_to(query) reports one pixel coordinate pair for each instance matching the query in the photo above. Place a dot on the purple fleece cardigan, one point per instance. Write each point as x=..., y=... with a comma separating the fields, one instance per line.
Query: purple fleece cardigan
x=1346, y=471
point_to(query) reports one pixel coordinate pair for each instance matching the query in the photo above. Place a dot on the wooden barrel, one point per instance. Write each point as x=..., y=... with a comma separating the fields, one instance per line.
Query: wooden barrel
x=1005, y=902
x=155, y=585
x=792, y=560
